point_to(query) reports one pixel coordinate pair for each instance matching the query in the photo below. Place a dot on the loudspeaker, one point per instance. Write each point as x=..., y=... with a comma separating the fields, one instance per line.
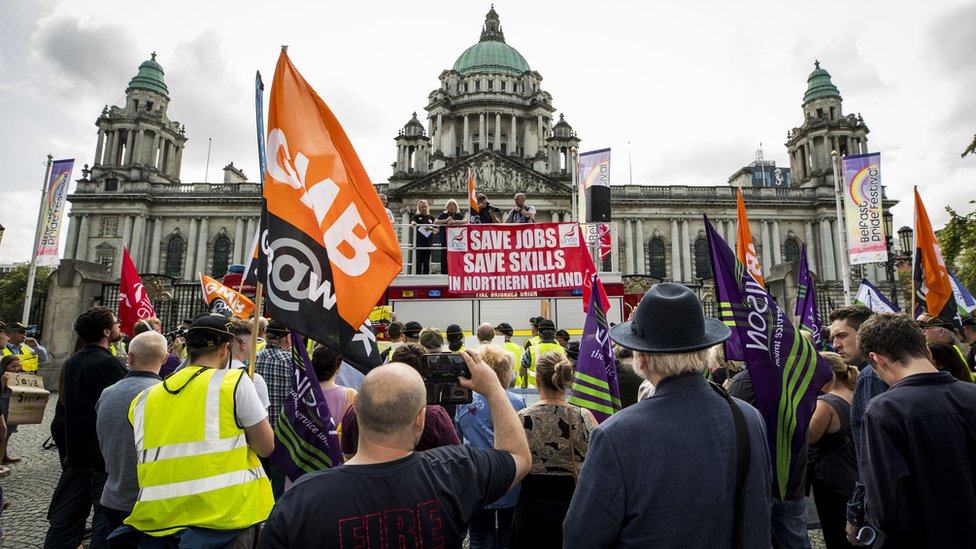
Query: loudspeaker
x=598, y=204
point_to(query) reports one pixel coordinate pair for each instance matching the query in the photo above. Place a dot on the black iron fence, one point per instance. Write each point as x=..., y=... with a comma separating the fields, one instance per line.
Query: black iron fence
x=180, y=301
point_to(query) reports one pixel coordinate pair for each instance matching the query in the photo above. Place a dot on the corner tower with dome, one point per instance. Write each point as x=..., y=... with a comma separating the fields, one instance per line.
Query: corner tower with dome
x=490, y=113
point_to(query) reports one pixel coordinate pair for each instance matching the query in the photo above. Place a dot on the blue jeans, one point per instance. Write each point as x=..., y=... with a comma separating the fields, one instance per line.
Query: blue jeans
x=789, y=524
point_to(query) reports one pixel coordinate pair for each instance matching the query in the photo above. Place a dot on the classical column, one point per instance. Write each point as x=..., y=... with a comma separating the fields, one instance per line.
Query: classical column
x=138, y=240
x=498, y=131
x=767, y=257
x=641, y=246
x=686, y=250
x=154, y=152
x=157, y=237
x=130, y=143
x=98, y=148
x=81, y=254
x=777, y=244
x=465, y=138
x=72, y=243
x=808, y=240
x=238, y=240
x=137, y=154
x=440, y=132
x=482, y=134
x=731, y=233
x=629, y=246
x=512, y=137
x=614, y=246
x=178, y=162
x=249, y=231
x=839, y=253
x=189, y=273
x=127, y=233
x=555, y=216
x=540, y=135
x=675, y=252
x=204, y=239
x=567, y=217
x=827, y=251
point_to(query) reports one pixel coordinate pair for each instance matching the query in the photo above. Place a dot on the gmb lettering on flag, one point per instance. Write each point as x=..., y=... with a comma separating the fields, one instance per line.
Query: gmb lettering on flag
x=222, y=299
x=327, y=248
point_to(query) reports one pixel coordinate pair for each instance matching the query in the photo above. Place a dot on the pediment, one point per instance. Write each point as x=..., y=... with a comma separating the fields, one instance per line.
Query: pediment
x=494, y=176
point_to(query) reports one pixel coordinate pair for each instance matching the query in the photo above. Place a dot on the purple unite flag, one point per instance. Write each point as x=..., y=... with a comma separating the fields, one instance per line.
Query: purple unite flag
x=595, y=379
x=786, y=370
x=305, y=438
x=806, y=302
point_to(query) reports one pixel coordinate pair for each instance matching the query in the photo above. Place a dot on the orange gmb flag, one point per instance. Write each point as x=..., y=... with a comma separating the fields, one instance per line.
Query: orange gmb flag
x=221, y=298
x=328, y=246
x=472, y=198
x=745, y=250
x=932, y=284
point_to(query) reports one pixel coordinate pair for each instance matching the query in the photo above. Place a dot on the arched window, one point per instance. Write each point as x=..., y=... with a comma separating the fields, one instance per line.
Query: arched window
x=174, y=257
x=791, y=250
x=703, y=262
x=221, y=255
x=655, y=251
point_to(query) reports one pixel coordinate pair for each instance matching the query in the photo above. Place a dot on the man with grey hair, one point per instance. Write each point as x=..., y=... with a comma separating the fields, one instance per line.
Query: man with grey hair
x=436, y=491
x=486, y=333
x=688, y=467
x=147, y=352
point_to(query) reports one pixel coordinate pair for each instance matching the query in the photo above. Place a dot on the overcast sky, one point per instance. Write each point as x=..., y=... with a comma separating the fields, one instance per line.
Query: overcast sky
x=693, y=87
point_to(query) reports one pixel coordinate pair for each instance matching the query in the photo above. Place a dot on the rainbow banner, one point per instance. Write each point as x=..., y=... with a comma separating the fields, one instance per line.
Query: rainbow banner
x=863, y=209
x=595, y=168
x=53, y=207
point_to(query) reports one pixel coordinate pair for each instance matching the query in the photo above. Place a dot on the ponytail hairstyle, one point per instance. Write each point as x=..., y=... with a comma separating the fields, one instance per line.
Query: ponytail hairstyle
x=554, y=371
x=844, y=373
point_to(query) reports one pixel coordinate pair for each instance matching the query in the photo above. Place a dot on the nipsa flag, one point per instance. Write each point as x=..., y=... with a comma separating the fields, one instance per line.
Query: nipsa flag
x=806, y=301
x=327, y=249
x=595, y=384
x=134, y=304
x=933, y=287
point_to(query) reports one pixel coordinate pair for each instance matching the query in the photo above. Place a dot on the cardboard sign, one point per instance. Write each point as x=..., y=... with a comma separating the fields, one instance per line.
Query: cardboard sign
x=28, y=399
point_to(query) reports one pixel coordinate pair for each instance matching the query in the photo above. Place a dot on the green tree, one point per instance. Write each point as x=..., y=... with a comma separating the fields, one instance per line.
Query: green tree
x=958, y=242
x=13, y=291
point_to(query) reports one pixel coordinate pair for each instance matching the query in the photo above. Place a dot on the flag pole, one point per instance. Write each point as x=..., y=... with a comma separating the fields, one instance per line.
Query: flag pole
x=914, y=245
x=25, y=317
x=841, y=230
x=262, y=159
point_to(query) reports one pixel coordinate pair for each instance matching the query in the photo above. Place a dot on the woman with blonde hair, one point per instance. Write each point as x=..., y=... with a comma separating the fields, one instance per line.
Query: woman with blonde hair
x=424, y=223
x=559, y=435
x=833, y=464
x=452, y=216
x=491, y=526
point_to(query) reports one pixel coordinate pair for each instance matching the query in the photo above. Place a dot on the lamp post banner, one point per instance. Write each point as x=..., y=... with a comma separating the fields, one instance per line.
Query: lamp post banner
x=515, y=260
x=863, y=209
x=594, y=168
x=50, y=229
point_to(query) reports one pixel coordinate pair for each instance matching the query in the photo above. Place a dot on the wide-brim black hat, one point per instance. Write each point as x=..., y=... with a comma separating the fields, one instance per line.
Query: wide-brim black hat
x=504, y=328
x=669, y=319
x=209, y=331
x=412, y=329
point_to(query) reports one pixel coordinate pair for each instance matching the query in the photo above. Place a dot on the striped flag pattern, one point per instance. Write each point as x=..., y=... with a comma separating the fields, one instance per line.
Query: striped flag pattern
x=595, y=379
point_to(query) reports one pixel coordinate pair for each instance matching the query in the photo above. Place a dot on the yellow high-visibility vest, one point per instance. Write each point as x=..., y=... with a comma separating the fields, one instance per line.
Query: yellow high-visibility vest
x=193, y=462
x=516, y=350
x=28, y=357
x=535, y=352
x=534, y=340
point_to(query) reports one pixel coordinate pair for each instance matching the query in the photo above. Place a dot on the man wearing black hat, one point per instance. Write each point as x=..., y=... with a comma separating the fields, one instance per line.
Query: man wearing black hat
x=688, y=467
x=506, y=330
x=198, y=435
x=547, y=342
x=31, y=352
x=562, y=338
x=534, y=338
x=939, y=330
x=411, y=332
x=455, y=338
x=274, y=365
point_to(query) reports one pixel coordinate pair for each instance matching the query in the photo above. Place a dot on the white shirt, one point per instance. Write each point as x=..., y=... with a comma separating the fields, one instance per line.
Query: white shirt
x=260, y=389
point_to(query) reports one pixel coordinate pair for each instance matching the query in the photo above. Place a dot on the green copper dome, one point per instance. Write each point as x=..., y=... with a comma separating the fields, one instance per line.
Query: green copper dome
x=150, y=77
x=491, y=53
x=819, y=85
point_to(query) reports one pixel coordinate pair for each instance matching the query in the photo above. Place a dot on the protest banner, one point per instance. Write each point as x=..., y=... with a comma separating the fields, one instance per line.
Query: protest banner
x=221, y=299
x=872, y=298
x=28, y=399
x=53, y=207
x=595, y=384
x=863, y=209
x=515, y=260
x=134, y=302
x=806, y=302
x=930, y=276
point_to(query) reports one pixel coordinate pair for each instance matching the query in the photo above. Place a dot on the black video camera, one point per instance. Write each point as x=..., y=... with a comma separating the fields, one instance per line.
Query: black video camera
x=441, y=372
x=179, y=332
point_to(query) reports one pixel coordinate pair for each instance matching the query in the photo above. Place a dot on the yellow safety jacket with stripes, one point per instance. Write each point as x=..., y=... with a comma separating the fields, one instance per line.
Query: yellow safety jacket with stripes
x=194, y=466
x=28, y=357
x=535, y=352
x=516, y=350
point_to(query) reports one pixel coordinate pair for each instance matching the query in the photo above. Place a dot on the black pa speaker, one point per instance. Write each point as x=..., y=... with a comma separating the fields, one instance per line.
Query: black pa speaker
x=598, y=204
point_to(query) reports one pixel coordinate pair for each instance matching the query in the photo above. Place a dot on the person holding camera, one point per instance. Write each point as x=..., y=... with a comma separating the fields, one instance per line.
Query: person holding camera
x=438, y=429
x=558, y=434
x=437, y=491
x=486, y=212
x=522, y=212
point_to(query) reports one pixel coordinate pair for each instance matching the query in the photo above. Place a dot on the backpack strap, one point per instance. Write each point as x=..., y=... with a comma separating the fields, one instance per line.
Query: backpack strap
x=742, y=463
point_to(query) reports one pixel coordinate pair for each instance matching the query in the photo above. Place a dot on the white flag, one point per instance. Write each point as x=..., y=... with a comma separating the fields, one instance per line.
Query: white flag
x=872, y=298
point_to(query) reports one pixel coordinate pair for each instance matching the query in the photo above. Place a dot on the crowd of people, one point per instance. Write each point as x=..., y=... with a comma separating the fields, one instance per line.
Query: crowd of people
x=431, y=232
x=171, y=455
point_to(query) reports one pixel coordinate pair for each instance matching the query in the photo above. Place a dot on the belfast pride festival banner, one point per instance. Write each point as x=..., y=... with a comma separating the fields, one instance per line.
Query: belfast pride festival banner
x=515, y=260
x=863, y=209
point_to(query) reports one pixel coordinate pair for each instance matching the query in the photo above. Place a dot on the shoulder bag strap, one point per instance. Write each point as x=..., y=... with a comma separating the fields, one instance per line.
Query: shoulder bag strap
x=572, y=445
x=742, y=463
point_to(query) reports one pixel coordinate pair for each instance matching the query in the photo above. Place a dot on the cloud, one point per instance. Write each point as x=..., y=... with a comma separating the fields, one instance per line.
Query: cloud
x=952, y=45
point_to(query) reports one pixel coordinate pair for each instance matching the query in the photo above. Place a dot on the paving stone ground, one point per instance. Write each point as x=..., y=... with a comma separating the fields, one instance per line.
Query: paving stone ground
x=30, y=485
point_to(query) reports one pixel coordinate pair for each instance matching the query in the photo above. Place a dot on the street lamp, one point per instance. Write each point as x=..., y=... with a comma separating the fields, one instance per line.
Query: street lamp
x=886, y=218
x=905, y=238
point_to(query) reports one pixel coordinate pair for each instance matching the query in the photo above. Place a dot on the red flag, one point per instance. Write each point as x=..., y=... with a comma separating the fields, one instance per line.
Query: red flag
x=134, y=304
x=588, y=279
x=604, y=241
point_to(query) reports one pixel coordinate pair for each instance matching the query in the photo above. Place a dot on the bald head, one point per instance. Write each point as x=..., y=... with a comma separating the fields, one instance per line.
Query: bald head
x=486, y=333
x=147, y=352
x=389, y=401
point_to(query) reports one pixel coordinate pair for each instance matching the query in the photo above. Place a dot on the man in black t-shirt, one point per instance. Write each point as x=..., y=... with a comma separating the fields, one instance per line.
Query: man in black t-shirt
x=390, y=496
